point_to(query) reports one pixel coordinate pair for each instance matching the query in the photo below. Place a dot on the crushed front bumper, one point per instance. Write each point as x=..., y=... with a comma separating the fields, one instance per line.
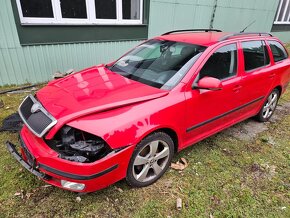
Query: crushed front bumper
x=12, y=149
x=44, y=163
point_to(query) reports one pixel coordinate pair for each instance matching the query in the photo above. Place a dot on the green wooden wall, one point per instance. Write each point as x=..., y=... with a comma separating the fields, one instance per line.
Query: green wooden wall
x=284, y=36
x=230, y=15
x=30, y=64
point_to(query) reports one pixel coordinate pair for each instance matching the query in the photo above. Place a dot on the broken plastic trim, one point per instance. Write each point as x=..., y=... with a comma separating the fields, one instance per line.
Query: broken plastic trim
x=11, y=148
x=79, y=146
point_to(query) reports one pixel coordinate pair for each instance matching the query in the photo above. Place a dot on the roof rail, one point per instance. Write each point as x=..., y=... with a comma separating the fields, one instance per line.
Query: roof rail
x=192, y=30
x=243, y=34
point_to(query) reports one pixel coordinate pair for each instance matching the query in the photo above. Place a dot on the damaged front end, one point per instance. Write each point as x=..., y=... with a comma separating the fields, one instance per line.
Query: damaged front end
x=78, y=146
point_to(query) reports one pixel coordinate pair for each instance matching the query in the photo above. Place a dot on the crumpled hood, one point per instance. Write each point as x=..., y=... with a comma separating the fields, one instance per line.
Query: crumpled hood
x=90, y=91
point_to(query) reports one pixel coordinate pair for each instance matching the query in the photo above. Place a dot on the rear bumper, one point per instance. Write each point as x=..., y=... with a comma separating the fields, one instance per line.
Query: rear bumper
x=44, y=163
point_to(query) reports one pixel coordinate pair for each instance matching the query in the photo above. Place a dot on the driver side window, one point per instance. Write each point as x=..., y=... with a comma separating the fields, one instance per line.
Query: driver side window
x=222, y=64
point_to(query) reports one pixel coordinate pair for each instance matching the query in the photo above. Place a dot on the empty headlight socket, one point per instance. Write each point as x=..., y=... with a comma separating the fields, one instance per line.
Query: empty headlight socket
x=78, y=146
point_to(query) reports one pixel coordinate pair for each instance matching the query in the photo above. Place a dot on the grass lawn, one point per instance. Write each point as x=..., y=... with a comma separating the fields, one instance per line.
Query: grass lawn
x=227, y=176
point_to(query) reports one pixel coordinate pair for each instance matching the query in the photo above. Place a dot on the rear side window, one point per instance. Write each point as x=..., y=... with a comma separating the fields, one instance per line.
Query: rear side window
x=222, y=64
x=279, y=52
x=255, y=54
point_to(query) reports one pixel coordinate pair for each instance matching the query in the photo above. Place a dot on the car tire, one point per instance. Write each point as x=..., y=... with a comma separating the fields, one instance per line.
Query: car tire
x=150, y=159
x=269, y=106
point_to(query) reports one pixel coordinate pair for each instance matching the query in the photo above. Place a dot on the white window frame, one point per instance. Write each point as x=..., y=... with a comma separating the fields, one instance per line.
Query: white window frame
x=90, y=20
x=285, y=19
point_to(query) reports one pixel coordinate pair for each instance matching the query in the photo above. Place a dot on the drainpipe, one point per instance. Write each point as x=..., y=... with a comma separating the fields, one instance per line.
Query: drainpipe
x=213, y=14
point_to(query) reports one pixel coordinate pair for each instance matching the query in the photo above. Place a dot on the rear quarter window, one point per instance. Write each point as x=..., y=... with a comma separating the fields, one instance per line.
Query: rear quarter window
x=278, y=51
x=255, y=55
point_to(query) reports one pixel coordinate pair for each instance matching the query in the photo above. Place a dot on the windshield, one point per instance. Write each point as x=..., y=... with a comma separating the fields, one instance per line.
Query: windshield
x=158, y=63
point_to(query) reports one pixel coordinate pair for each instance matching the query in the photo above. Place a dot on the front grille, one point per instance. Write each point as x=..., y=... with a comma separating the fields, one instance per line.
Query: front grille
x=35, y=117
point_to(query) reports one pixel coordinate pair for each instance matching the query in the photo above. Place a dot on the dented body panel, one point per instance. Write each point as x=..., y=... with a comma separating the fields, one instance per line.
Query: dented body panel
x=135, y=121
x=93, y=90
x=49, y=163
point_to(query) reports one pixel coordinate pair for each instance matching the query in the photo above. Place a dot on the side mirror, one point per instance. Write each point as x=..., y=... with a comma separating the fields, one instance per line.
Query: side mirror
x=209, y=83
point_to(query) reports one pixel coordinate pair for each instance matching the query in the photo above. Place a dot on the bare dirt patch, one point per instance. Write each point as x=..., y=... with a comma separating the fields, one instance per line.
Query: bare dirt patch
x=263, y=170
x=249, y=129
x=281, y=110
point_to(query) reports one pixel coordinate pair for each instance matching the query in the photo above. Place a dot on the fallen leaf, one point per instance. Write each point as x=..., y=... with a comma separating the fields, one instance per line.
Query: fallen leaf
x=28, y=195
x=20, y=194
x=17, y=194
x=177, y=166
x=180, y=165
x=184, y=162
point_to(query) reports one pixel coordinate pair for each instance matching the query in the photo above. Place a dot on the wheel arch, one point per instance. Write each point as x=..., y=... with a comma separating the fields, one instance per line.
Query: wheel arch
x=169, y=131
x=279, y=88
x=173, y=136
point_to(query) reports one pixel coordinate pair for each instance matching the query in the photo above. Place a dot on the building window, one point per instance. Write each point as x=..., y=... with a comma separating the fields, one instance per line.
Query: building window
x=106, y=9
x=75, y=9
x=80, y=12
x=41, y=9
x=283, y=13
x=131, y=9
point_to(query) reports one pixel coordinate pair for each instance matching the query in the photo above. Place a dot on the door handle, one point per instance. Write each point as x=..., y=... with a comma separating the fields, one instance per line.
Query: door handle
x=237, y=88
x=272, y=75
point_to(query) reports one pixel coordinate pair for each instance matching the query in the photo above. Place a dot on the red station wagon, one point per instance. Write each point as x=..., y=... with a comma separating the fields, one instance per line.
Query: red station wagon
x=126, y=119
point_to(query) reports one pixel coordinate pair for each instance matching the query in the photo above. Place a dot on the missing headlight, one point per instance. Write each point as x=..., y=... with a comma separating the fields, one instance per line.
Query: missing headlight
x=78, y=146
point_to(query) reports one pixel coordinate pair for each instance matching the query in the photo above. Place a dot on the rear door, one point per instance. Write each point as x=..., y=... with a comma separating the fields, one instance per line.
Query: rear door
x=257, y=76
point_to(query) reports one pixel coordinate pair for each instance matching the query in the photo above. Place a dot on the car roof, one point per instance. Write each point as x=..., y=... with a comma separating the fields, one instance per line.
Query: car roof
x=206, y=38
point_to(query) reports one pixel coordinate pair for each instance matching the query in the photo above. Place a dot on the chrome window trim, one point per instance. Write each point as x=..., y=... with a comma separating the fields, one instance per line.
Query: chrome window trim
x=54, y=121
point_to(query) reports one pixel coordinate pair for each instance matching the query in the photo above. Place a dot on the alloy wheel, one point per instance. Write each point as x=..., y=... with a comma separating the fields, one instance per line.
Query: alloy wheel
x=151, y=161
x=270, y=105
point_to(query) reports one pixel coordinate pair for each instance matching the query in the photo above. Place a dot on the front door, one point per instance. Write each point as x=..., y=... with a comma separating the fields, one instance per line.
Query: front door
x=208, y=111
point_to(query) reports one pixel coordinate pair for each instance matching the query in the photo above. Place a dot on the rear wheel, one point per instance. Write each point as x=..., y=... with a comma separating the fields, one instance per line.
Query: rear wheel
x=150, y=159
x=269, y=106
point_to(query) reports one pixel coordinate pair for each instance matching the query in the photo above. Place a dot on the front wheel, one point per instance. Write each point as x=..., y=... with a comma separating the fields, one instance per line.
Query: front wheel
x=150, y=159
x=269, y=106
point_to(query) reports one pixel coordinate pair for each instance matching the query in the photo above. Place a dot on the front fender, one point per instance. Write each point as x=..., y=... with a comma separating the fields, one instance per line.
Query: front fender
x=130, y=124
